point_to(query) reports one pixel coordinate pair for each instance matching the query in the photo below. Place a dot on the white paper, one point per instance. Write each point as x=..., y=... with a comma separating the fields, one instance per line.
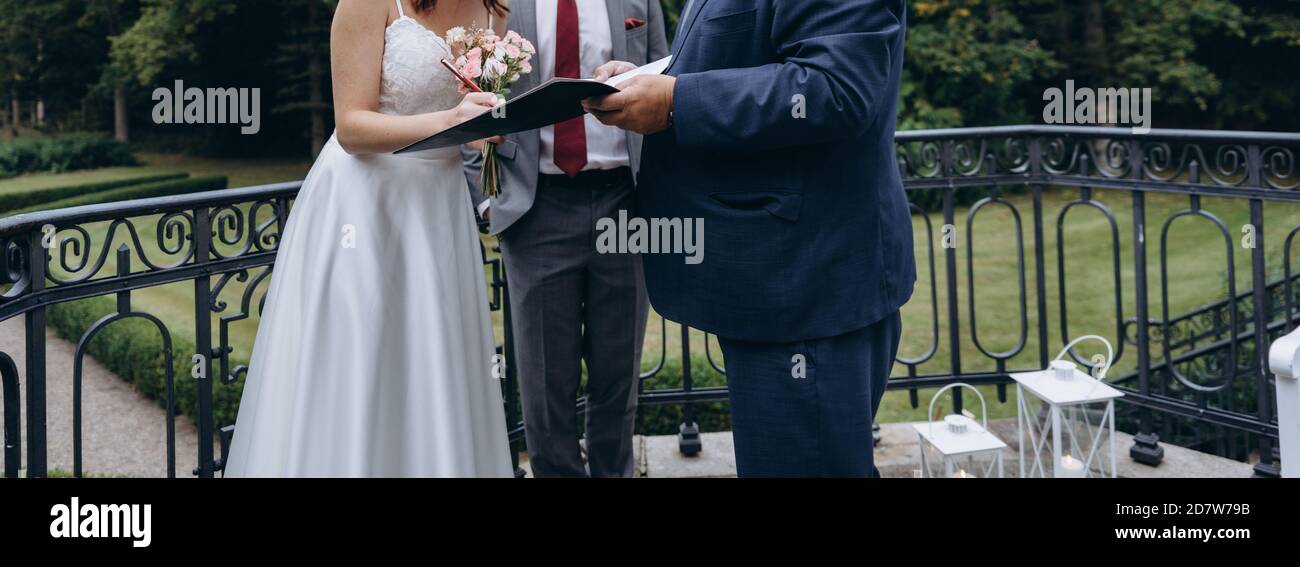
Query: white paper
x=655, y=68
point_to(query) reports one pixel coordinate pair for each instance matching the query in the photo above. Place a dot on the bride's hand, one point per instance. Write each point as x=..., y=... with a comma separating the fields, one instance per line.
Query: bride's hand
x=471, y=106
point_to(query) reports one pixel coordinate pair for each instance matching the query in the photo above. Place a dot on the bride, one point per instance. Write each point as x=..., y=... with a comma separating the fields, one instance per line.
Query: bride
x=374, y=354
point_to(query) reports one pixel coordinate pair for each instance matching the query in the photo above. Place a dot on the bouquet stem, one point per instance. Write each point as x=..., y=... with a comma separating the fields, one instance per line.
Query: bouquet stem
x=490, y=178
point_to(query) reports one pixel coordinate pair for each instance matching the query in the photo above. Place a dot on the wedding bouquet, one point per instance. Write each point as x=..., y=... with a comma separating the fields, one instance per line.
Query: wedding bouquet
x=492, y=63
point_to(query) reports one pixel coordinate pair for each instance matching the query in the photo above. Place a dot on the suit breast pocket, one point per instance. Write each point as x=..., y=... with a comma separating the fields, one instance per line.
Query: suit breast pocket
x=729, y=23
x=637, y=41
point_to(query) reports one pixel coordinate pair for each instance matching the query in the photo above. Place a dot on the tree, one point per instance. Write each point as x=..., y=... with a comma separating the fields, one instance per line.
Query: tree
x=113, y=17
x=968, y=62
x=162, y=34
x=304, y=56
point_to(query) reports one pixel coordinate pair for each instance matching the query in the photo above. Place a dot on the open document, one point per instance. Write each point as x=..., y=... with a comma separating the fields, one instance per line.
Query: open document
x=550, y=103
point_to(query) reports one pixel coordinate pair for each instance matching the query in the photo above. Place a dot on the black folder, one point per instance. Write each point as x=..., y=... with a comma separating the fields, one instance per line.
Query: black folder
x=552, y=102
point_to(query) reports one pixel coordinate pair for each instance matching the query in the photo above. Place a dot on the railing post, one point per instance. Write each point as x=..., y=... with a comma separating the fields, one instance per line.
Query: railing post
x=1040, y=245
x=12, y=434
x=202, y=367
x=1265, y=467
x=950, y=280
x=1146, y=447
x=35, y=362
x=688, y=436
x=510, y=375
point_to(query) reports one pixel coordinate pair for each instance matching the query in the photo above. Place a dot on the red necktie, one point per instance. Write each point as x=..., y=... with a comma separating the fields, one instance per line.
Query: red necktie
x=571, y=135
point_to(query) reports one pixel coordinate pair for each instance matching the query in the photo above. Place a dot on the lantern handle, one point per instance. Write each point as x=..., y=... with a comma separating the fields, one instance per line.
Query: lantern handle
x=1110, y=352
x=984, y=413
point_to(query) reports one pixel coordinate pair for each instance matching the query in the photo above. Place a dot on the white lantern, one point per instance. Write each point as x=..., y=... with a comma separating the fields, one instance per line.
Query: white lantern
x=1058, y=406
x=964, y=448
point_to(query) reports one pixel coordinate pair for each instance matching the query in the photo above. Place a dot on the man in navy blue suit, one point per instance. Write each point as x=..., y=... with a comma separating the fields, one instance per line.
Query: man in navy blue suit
x=775, y=124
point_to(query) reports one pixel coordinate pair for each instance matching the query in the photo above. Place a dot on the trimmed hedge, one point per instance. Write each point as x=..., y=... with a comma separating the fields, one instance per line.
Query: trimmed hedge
x=143, y=191
x=132, y=349
x=28, y=199
x=666, y=419
x=62, y=153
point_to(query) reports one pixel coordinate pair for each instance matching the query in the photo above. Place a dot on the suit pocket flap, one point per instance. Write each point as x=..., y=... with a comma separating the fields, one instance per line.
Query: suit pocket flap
x=729, y=23
x=780, y=204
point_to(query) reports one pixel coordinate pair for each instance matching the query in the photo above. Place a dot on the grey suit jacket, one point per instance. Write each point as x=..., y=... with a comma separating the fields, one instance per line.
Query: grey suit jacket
x=520, y=153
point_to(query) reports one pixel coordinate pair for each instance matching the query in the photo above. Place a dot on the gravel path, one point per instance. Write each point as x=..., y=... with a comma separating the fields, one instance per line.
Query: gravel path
x=123, y=433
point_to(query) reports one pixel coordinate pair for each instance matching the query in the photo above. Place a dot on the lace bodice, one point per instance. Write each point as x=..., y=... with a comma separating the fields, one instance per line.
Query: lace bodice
x=413, y=82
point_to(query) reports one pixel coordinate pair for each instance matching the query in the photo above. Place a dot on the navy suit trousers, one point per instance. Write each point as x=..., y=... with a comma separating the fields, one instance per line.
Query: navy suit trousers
x=805, y=408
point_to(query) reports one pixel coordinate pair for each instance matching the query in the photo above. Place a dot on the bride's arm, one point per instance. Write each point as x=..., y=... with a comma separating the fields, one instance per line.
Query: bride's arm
x=356, y=57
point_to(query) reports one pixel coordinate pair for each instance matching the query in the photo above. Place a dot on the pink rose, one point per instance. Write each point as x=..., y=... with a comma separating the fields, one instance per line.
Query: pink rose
x=472, y=69
x=513, y=51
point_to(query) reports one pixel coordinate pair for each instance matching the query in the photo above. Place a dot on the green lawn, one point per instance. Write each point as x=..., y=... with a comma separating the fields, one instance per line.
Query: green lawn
x=1195, y=266
x=242, y=172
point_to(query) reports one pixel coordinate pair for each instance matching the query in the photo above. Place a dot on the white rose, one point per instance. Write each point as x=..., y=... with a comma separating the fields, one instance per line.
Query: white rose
x=456, y=35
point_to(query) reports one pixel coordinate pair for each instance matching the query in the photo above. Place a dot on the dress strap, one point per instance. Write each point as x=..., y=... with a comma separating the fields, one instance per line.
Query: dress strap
x=400, y=12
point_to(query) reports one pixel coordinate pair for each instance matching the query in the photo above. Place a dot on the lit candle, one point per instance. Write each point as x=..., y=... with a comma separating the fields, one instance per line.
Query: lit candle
x=1070, y=467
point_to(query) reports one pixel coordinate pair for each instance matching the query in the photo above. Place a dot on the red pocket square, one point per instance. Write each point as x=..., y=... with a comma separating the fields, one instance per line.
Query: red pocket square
x=633, y=23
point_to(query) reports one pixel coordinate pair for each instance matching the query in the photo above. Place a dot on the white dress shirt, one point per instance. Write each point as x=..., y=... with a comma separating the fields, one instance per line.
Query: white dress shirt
x=606, y=145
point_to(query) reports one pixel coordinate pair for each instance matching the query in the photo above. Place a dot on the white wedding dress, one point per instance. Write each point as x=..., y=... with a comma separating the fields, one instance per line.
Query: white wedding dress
x=374, y=354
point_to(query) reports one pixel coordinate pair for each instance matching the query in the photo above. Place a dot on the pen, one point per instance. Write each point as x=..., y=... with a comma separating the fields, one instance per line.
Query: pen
x=468, y=83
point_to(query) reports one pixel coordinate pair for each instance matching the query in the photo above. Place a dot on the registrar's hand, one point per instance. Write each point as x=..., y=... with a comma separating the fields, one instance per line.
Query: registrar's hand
x=604, y=72
x=642, y=106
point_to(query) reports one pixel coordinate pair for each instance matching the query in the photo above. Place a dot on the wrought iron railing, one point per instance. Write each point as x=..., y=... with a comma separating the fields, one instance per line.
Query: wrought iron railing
x=1175, y=364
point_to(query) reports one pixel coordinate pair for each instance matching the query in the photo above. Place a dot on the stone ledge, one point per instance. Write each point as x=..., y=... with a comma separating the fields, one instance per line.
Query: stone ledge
x=898, y=456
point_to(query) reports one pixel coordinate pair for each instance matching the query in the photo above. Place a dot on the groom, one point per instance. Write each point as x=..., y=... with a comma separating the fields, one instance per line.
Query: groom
x=570, y=304
x=775, y=124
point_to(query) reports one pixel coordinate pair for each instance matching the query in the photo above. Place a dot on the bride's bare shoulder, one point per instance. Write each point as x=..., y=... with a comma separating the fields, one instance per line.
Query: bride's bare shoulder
x=366, y=11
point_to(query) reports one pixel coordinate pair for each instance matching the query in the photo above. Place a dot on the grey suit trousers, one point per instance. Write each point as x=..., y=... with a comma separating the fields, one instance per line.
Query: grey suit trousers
x=570, y=305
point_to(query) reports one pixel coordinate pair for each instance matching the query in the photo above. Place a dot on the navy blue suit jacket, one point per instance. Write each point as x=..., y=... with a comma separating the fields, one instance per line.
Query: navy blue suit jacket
x=783, y=142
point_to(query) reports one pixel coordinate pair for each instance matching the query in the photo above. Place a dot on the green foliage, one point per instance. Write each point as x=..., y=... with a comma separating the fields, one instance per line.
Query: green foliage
x=1157, y=41
x=61, y=153
x=1210, y=63
x=666, y=419
x=163, y=34
x=27, y=199
x=964, y=62
x=672, y=15
x=142, y=191
x=133, y=349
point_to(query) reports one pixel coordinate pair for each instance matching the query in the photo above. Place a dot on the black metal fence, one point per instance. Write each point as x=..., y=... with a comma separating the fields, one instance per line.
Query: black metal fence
x=1196, y=376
